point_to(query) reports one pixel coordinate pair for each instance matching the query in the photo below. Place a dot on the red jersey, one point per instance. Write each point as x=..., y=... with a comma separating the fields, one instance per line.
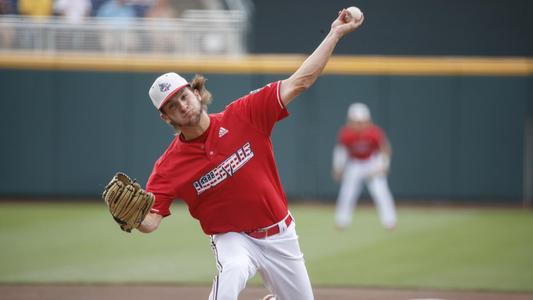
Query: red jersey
x=227, y=177
x=363, y=143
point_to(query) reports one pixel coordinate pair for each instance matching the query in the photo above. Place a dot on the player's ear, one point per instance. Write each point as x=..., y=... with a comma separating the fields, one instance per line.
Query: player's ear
x=164, y=117
x=197, y=94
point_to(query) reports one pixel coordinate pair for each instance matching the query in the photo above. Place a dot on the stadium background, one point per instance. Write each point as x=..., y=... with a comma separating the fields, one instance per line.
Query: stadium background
x=456, y=133
x=451, y=82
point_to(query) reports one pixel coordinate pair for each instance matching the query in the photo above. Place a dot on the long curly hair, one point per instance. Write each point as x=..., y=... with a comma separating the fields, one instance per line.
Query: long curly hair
x=198, y=83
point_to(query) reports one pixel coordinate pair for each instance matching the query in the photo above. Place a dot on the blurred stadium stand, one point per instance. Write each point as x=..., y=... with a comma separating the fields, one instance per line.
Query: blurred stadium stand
x=220, y=31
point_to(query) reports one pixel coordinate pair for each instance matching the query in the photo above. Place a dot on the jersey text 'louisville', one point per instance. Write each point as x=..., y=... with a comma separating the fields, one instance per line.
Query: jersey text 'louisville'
x=227, y=176
x=363, y=143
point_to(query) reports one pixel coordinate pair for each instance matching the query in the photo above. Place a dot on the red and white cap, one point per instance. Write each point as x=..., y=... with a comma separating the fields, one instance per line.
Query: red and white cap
x=358, y=112
x=164, y=87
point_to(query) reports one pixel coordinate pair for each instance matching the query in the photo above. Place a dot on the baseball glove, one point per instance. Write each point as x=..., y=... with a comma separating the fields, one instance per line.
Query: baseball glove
x=128, y=203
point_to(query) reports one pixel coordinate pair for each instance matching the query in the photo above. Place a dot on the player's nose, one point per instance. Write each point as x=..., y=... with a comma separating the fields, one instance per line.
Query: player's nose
x=182, y=106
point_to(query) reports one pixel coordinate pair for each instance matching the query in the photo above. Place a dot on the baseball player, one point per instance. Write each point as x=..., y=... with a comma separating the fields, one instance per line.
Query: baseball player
x=362, y=154
x=222, y=166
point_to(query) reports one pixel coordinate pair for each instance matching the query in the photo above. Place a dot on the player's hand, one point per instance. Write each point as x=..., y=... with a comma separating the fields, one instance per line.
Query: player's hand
x=378, y=172
x=341, y=27
x=383, y=168
x=336, y=175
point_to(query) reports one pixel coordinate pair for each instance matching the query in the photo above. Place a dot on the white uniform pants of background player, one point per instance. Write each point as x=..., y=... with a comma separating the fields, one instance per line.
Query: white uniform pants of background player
x=355, y=173
x=277, y=258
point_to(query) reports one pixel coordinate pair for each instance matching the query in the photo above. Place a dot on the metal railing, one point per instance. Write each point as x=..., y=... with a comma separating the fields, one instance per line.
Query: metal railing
x=197, y=32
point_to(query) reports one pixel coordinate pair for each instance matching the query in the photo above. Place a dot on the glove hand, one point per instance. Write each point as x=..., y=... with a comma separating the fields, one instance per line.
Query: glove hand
x=128, y=203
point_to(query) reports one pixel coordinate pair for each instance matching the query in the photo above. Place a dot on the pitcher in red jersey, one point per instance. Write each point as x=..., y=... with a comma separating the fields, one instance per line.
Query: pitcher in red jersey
x=222, y=166
x=362, y=155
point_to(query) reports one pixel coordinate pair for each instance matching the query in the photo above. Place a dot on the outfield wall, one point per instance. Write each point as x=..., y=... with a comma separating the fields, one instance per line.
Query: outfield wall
x=455, y=135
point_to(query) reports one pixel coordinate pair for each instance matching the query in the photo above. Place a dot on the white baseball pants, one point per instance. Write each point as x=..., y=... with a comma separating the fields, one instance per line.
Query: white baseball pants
x=277, y=258
x=355, y=173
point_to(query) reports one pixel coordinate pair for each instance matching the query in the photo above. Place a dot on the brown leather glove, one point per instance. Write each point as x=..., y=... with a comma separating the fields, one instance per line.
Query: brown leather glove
x=128, y=203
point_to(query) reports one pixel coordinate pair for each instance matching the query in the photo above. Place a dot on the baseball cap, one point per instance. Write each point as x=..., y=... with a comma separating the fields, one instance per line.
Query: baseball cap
x=358, y=112
x=164, y=87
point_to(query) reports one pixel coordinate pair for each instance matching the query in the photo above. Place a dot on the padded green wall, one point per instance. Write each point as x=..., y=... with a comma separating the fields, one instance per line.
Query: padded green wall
x=65, y=132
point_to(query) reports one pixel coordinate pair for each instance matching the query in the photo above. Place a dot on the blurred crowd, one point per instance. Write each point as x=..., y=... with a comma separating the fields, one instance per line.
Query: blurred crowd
x=77, y=10
x=116, y=36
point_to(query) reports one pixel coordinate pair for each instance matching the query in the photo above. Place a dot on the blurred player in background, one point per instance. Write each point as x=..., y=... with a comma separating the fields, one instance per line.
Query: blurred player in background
x=222, y=166
x=362, y=154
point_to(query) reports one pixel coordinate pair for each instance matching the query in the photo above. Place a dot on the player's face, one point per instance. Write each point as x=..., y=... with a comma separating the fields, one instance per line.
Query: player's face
x=183, y=110
x=359, y=125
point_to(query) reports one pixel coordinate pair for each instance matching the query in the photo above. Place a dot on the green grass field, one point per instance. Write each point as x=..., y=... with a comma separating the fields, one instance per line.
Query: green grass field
x=442, y=248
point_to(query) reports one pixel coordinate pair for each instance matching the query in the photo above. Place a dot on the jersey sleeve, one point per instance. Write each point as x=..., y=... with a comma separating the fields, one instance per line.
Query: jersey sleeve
x=342, y=137
x=262, y=107
x=162, y=190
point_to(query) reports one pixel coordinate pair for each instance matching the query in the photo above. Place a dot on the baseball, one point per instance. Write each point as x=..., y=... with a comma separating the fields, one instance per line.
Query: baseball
x=354, y=13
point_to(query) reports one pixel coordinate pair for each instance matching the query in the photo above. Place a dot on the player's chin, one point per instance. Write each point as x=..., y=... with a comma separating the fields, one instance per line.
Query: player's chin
x=192, y=121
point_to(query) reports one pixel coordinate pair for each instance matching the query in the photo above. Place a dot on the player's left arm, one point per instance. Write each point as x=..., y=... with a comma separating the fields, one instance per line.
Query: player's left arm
x=313, y=66
x=385, y=147
x=385, y=151
x=150, y=223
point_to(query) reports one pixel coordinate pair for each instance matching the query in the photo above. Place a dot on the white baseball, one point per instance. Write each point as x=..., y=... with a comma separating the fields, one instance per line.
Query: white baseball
x=354, y=13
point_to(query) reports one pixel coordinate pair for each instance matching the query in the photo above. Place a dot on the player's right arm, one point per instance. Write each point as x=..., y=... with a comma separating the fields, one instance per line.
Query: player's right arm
x=340, y=156
x=312, y=67
x=150, y=223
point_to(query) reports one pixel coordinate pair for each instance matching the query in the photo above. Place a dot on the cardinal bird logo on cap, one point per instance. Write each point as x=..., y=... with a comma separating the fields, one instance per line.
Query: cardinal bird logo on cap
x=164, y=87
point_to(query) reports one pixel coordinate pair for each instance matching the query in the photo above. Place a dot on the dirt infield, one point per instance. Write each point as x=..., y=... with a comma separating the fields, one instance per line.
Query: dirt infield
x=167, y=292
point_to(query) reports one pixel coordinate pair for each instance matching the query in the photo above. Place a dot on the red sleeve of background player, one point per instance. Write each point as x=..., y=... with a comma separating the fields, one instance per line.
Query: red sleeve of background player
x=163, y=192
x=262, y=107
